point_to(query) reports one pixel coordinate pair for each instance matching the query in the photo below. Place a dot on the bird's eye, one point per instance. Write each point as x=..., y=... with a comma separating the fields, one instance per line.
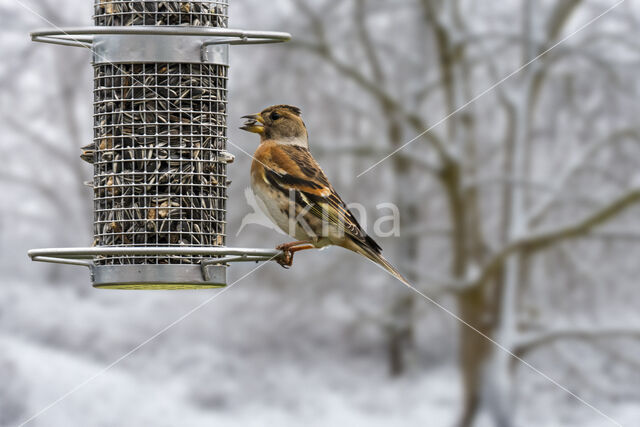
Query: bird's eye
x=275, y=116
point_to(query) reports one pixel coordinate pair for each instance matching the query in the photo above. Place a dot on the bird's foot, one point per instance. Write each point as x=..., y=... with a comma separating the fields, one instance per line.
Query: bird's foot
x=288, y=249
x=286, y=260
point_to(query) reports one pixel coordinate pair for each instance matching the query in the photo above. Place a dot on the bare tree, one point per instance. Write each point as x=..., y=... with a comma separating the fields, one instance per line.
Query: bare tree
x=490, y=247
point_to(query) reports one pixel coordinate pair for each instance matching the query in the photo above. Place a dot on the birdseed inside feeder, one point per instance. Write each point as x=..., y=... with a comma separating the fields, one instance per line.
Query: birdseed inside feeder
x=159, y=147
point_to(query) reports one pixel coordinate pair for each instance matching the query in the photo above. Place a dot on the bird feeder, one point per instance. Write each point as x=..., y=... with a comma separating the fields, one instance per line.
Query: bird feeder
x=159, y=145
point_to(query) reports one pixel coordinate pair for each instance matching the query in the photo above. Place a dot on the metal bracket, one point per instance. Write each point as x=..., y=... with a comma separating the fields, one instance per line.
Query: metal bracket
x=233, y=258
x=127, y=48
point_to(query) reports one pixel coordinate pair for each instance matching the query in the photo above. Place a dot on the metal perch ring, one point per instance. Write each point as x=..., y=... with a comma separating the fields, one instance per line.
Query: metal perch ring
x=84, y=36
x=142, y=44
x=208, y=273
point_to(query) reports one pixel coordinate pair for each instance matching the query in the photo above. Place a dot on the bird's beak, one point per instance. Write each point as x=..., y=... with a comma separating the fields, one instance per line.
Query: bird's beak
x=254, y=123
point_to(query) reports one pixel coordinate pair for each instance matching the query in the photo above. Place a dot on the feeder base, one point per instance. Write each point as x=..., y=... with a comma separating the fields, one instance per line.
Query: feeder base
x=156, y=286
x=159, y=277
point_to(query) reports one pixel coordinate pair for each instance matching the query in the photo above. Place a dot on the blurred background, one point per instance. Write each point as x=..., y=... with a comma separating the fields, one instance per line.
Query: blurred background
x=519, y=214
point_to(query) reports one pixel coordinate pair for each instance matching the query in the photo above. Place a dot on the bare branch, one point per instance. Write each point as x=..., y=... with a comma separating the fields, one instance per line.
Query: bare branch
x=364, y=150
x=578, y=199
x=447, y=57
x=619, y=356
x=570, y=53
x=367, y=43
x=322, y=49
x=614, y=234
x=39, y=139
x=493, y=180
x=436, y=284
x=559, y=16
x=539, y=240
x=615, y=38
x=529, y=341
x=49, y=193
x=539, y=211
x=425, y=230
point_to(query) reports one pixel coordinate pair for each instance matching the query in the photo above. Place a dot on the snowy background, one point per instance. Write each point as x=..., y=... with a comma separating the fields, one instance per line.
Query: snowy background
x=519, y=214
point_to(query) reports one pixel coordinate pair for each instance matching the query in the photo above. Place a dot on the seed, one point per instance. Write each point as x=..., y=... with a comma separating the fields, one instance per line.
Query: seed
x=87, y=156
x=164, y=210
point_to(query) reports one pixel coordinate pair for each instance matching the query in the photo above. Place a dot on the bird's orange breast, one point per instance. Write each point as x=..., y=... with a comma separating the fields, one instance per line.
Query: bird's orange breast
x=261, y=158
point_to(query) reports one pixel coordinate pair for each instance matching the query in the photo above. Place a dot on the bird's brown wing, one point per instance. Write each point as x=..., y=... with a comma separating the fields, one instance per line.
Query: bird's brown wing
x=292, y=170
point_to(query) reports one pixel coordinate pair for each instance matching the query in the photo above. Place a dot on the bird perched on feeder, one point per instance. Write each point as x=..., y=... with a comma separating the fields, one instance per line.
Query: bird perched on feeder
x=296, y=195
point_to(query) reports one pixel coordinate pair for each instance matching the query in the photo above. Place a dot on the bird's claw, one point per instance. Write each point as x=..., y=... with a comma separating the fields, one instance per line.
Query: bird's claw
x=286, y=260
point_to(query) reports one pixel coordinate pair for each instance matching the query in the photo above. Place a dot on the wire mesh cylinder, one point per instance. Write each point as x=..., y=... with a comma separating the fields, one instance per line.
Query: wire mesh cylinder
x=159, y=137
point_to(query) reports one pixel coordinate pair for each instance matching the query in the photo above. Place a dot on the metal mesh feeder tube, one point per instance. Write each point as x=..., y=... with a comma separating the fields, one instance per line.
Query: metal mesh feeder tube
x=159, y=146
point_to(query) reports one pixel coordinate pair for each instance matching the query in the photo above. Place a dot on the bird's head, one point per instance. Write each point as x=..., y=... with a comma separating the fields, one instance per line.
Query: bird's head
x=280, y=123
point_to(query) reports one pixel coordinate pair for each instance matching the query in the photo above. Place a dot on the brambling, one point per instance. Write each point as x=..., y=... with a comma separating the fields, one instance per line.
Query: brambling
x=296, y=195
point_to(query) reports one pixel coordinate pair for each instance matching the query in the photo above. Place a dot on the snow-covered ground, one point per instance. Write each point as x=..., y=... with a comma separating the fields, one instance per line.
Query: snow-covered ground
x=121, y=398
x=220, y=367
x=178, y=380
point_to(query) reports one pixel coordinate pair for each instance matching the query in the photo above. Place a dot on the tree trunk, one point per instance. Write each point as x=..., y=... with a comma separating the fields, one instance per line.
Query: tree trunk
x=497, y=392
x=400, y=338
x=474, y=350
x=472, y=303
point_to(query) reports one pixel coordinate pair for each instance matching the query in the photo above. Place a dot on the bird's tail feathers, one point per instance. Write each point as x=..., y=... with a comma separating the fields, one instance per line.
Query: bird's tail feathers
x=381, y=261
